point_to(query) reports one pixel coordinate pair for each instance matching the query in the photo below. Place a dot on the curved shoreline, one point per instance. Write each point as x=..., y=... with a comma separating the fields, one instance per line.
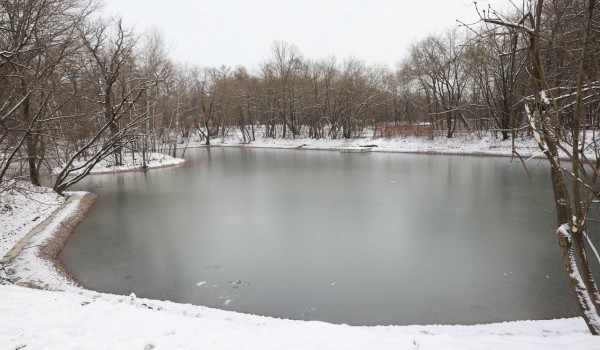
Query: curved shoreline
x=53, y=245
x=51, y=248
x=51, y=235
x=377, y=150
x=137, y=169
x=523, y=152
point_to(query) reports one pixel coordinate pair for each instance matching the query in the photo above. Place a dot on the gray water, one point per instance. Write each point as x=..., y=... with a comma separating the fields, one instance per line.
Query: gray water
x=362, y=239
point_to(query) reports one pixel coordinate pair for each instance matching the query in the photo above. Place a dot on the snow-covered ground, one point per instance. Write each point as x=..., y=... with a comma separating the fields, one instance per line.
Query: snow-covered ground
x=130, y=163
x=34, y=319
x=469, y=144
x=22, y=208
x=29, y=218
x=65, y=316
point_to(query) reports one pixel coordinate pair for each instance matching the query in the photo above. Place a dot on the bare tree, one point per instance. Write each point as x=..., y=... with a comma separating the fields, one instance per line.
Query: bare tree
x=112, y=100
x=558, y=130
x=282, y=70
x=438, y=65
x=498, y=63
x=36, y=37
x=111, y=48
x=243, y=103
x=157, y=70
x=212, y=90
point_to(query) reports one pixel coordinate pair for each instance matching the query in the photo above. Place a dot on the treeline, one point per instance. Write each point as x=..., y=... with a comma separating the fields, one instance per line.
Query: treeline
x=76, y=90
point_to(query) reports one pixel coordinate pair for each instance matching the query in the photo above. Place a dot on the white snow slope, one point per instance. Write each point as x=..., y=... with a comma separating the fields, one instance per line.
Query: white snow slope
x=33, y=319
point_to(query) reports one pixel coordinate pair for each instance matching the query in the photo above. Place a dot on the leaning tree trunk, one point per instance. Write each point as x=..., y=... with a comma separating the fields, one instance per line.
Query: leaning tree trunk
x=582, y=295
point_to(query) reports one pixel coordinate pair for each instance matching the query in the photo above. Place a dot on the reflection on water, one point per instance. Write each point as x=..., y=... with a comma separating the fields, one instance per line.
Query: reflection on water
x=362, y=239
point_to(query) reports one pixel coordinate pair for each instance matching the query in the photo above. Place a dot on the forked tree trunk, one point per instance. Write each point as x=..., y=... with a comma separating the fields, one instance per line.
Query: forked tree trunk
x=583, y=287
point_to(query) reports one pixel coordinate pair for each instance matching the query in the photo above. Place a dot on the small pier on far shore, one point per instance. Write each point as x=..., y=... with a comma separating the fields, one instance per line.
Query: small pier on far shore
x=355, y=149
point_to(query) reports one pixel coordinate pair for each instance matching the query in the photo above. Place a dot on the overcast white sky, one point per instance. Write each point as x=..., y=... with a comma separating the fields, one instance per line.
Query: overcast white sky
x=241, y=32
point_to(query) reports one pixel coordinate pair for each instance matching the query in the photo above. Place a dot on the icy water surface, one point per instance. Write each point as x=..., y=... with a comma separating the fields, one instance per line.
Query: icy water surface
x=362, y=239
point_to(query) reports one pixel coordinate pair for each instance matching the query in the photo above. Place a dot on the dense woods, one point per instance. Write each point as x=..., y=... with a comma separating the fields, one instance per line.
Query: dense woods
x=75, y=90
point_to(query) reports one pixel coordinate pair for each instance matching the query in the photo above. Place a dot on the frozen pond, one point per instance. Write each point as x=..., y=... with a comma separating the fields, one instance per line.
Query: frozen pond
x=362, y=239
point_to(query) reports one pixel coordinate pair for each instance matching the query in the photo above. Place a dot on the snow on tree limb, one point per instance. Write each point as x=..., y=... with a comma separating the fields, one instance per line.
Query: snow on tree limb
x=581, y=292
x=536, y=134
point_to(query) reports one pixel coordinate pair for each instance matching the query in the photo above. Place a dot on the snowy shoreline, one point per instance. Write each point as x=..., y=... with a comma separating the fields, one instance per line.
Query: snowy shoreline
x=55, y=219
x=300, y=147
x=154, y=161
x=465, y=145
x=74, y=317
x=51, y=248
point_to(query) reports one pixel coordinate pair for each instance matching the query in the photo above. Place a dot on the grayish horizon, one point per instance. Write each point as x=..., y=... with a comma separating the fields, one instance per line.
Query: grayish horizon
x=234, y=32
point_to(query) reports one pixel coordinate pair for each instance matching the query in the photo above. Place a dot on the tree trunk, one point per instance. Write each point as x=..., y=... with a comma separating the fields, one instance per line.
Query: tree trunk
x=32, y=154
x=31, y=140
x=580, y=291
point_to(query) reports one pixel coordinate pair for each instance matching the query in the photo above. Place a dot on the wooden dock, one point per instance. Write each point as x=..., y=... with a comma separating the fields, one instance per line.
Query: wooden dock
x=355, y=149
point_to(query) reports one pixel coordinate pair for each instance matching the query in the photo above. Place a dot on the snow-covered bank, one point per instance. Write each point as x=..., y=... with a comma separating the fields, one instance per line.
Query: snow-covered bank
x=469, y=144
x=33, y=232
x=130, y=163
x=76, y=318
x=58, y=320
x=22, y=208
